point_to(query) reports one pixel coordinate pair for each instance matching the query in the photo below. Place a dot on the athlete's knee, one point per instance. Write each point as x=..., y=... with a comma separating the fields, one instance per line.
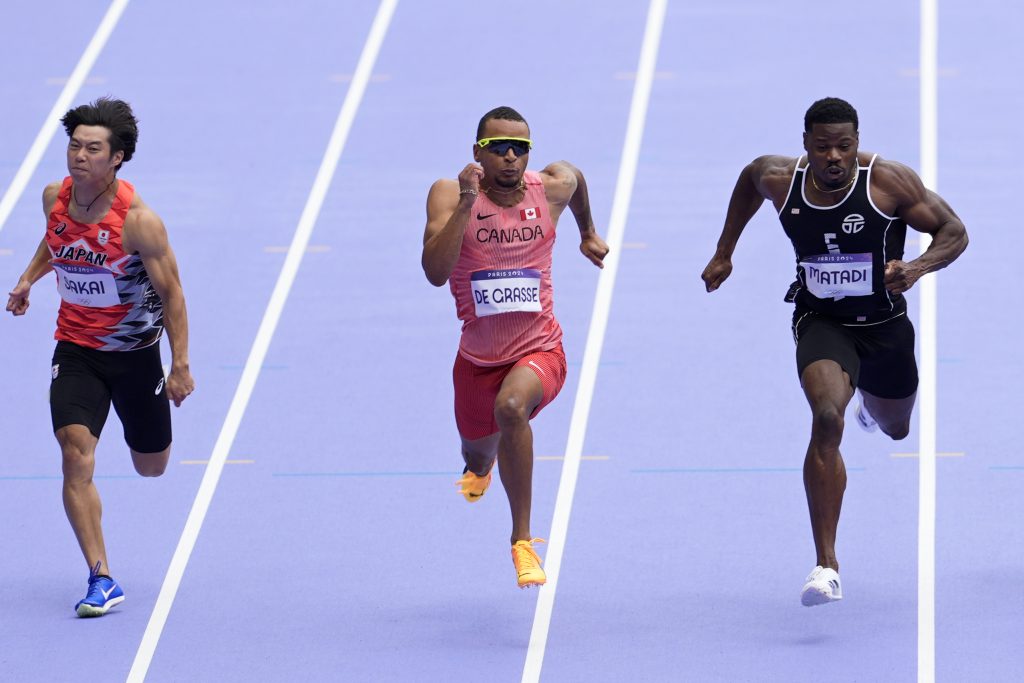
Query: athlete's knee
x=828, y=424
x=74, y=450
x=151, y=464
x=510, y=409
x=896, y=432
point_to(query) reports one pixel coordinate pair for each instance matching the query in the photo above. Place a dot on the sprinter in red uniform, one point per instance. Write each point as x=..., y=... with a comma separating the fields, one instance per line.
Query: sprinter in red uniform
x=118, y=281
x=489, y=235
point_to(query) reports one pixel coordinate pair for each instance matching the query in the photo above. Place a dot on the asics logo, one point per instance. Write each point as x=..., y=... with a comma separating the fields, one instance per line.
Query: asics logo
x=159, y=387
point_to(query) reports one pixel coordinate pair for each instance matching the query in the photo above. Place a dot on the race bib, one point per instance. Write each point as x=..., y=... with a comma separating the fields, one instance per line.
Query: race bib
x=834, y=276
x=86, y=285
x=505, y=291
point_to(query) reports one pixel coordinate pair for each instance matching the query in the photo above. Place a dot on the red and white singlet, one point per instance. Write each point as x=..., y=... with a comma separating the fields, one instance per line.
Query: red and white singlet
x=502, y=280
x=108, y=302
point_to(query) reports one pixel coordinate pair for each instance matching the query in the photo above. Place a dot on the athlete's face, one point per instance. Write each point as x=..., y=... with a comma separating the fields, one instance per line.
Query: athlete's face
x=832, y=153
x=89, y=157
x=503, y=170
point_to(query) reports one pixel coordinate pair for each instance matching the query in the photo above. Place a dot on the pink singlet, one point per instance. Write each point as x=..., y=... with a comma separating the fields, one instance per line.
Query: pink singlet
x=502, y=280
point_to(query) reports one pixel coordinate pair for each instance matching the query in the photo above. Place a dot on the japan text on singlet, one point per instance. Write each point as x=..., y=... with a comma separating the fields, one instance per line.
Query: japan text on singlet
x=502, y=280
x=108, y=302
x=841, y=250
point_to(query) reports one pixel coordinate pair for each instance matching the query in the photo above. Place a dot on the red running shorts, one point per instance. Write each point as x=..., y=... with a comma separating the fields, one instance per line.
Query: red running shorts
x=476, y=388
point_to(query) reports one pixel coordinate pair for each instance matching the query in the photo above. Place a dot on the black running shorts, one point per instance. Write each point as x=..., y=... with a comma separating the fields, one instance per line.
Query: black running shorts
x=85, y=383
x=879, y=357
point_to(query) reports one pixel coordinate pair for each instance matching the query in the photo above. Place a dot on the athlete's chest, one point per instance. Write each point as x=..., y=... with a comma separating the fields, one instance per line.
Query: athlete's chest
x=86, y=245
x=519, y=229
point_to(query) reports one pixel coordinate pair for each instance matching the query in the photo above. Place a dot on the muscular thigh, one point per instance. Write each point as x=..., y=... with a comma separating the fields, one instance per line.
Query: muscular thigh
x=888, y=365
x=819, y=338
x=79, y=391
x=140, y=399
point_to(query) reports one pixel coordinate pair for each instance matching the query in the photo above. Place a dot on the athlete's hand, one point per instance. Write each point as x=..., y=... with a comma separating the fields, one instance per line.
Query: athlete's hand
x=900, y=276
x=470, y=178
x=595, y=249
x=17, y=299
x=716, y=272
x=179, y=385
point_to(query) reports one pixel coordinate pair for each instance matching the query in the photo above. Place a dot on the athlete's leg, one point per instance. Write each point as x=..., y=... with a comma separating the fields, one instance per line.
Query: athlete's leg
x=891, y=414
x=81, y=499
x=828, y=391
x=479, y=454
x=151, y=464
x=521, y=392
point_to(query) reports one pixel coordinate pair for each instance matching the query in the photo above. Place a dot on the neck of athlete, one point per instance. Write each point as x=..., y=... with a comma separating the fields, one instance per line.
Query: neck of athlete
x=86, y=194
x=503, y=196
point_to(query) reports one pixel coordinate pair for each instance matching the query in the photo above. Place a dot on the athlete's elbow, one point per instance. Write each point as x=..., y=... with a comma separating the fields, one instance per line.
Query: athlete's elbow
x=434, y=277
x=964, y=240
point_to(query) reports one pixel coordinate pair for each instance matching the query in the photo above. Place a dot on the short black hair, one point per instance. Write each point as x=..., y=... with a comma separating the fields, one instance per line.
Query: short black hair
x=502, y=113
x=114, y=115
x=830, y=110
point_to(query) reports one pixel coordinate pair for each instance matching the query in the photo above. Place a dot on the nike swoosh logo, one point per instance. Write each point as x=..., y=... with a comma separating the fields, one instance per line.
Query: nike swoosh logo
x=539, y=368
x=480, y=218
x=106, y=594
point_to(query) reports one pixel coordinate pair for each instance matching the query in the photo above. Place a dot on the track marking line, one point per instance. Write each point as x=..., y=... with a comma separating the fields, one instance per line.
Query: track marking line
x=52, y=121
x=233, y=420
x=226, y=462
x=927, y=389
x=311, y=249
x=582, y=457
x=595, y=339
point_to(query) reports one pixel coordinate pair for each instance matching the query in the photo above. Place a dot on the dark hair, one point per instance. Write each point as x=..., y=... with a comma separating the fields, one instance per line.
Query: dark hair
x=502, y=113
x=830, y=110
x=114, y=115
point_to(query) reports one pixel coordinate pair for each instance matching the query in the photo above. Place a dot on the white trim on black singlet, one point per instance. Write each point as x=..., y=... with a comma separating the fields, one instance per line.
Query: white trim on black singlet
x=791, y=182
x=803, y=195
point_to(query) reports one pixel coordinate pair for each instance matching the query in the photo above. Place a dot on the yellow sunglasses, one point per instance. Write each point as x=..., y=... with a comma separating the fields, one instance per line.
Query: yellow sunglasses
x=501, y=146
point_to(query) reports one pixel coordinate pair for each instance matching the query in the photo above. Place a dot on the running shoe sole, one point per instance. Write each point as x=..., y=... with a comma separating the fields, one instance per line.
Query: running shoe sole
x=85, y=610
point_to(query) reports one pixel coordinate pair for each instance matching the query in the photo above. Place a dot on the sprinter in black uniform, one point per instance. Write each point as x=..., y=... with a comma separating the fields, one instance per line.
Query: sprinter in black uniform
x=846, y=213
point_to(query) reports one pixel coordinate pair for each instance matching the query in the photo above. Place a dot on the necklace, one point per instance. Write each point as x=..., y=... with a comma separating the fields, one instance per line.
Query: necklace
x=489, y=190
x=74, y=195
x=840, y=189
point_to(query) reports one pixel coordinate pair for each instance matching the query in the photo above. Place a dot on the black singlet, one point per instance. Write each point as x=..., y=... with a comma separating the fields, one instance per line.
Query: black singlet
x=841, y=251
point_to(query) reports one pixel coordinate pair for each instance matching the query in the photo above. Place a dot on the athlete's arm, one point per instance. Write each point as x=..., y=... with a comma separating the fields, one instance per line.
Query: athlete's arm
x=565, y=185
x=449, y=205
x=38, y=266
x=924, y=211
x=145, y=235
x=763, y=178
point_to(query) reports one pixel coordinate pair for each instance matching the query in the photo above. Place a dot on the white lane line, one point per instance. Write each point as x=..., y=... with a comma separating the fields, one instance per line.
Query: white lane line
x=595, y=339
x=250, y=373
x=927, y=391
x=52, y=121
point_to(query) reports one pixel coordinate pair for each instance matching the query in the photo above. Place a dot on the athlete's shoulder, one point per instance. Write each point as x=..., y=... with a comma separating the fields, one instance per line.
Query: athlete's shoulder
x=50, y=194
x=894, y=178
x=560, y=179
x=444, y=192
x=772, y=175
x=771, y=165
x=444, y=186
x=141, y=217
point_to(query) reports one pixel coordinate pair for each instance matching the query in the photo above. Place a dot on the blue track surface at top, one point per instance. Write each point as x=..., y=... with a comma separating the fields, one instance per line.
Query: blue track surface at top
x=336, y=547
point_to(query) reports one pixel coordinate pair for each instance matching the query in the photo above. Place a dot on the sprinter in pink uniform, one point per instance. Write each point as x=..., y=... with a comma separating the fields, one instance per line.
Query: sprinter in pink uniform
x=489, y=235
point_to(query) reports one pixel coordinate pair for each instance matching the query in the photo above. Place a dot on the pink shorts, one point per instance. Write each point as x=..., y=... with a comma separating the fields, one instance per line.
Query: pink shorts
x=476, y=388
